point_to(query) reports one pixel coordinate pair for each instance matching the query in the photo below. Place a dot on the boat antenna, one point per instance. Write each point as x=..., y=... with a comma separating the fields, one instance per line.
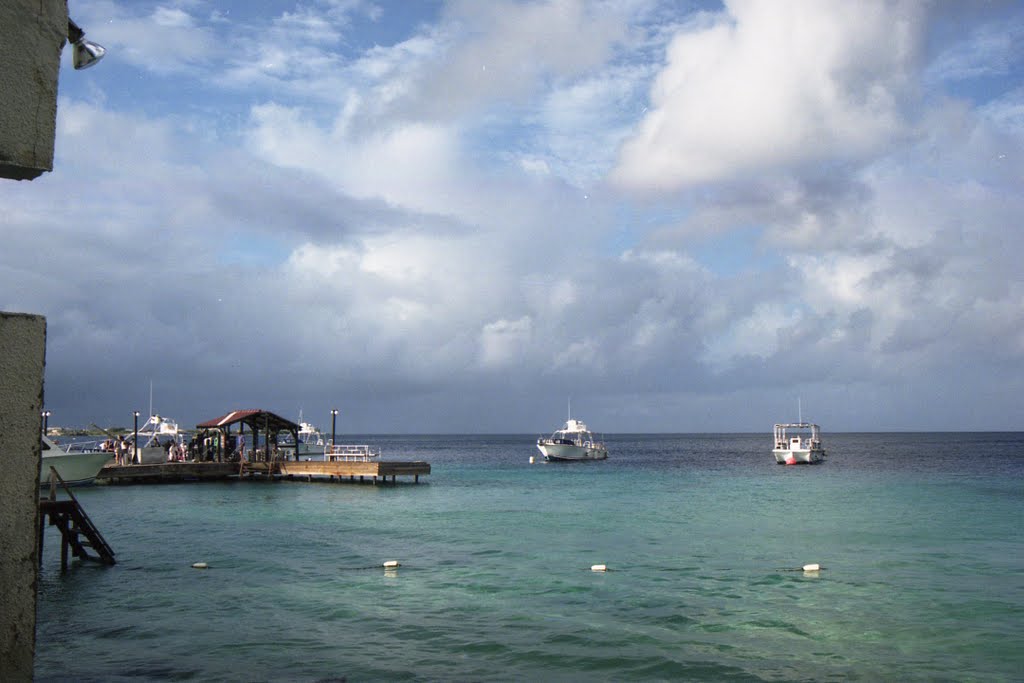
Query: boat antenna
x=799, y=411
x=569, y=409
x=151, y=396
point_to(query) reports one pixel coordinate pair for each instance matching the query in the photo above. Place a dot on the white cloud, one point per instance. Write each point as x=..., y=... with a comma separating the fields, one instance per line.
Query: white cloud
x=582, y=123
x=413, y=165
x=585, y=355
x=535, y=166
x=166, y=40
x=768, y=84
x=500, y=52
x=757, y=334
x=504, y=343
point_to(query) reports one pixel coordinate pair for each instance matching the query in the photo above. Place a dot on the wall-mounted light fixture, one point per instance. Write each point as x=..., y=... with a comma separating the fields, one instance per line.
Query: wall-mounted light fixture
x=85, y=52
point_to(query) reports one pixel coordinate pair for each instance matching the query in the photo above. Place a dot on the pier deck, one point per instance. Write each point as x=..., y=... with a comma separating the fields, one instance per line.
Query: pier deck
x=166, y=472
x=171, y=472
x=373, y=470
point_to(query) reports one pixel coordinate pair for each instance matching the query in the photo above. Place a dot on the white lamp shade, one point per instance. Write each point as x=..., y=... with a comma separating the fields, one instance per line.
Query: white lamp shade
x=86, y=53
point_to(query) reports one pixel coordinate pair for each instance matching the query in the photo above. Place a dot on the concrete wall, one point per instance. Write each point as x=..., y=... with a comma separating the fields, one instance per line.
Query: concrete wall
x=32, y=34
x=22, y=360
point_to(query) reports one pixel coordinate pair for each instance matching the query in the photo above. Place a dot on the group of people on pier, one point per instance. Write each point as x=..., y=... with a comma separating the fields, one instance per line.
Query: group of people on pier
x=197, y=449
x=120, y=447
x=175, y=450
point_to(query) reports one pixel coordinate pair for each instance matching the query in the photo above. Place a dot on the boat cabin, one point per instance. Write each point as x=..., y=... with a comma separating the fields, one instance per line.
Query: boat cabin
x=810, y=439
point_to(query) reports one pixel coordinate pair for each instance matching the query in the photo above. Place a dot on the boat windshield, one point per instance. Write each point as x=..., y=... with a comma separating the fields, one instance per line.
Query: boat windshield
x=572, y=437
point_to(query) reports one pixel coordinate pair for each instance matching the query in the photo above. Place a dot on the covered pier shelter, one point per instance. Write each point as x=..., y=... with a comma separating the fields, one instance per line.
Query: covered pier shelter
x=228, y=445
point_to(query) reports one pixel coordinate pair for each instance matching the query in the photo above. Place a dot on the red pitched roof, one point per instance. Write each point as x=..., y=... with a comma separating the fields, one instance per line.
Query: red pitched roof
x=255, y=419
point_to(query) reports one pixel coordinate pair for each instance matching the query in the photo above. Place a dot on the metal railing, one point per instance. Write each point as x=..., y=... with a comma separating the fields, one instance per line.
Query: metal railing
x=347, y=453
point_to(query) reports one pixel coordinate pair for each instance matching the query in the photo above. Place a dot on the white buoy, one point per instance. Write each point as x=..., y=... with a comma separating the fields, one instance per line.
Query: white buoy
x=531, y=459
x=200, y=565
x=391, y=564
x=598, y=567
x=812, y=567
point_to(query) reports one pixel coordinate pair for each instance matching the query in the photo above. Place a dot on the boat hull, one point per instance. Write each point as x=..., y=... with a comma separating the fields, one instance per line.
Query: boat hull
x=76, y=469
x=567, y=452
x=305, y=449
x=800, y=456
x=311, y=449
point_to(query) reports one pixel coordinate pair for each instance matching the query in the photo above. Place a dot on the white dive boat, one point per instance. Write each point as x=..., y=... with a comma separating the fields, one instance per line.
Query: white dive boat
x=798, y=443
x=311, y=440
x=153, y=439
x=572, y=442
x=74, y=467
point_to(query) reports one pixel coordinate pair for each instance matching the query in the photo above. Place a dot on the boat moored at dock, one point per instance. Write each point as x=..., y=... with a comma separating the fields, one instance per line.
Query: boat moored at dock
x=311, y=440
x=75, y=467
x=155, y=437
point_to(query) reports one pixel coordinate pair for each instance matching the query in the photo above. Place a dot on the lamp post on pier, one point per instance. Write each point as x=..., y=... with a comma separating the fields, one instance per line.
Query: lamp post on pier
x=136, y=440
x=334, y=417
x=46, y=421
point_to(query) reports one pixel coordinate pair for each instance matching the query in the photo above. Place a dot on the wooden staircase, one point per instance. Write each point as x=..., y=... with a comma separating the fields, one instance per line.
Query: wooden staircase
x=78, y=533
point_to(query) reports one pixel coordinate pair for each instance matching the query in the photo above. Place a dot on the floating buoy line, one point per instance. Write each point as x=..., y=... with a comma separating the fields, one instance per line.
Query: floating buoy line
x=393, y=565
x=388, y=565
x=806, y=569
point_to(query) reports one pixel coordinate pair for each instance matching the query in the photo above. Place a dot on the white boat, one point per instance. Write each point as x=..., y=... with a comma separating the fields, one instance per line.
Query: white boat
x=153, y=439
x=798, y=443
x=311, y=440
x=75, y=467
x=572, y=442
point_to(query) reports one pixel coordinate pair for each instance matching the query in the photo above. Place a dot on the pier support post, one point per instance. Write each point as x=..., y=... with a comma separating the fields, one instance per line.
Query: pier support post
x=63, y=527
x=22, y=360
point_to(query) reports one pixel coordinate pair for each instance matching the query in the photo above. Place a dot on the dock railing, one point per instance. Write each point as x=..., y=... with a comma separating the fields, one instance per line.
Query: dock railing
x=347, y=453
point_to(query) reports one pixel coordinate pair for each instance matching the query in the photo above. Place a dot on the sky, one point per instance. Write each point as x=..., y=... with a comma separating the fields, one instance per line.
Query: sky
x=464, y=217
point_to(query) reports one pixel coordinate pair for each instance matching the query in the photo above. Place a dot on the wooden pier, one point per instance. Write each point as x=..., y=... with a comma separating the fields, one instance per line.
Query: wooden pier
x=361, y=470
x=373, y=471
x=229, y=459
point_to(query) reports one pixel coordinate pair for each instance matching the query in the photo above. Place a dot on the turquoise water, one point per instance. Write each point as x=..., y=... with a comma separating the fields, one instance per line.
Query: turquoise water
x=921, y=537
